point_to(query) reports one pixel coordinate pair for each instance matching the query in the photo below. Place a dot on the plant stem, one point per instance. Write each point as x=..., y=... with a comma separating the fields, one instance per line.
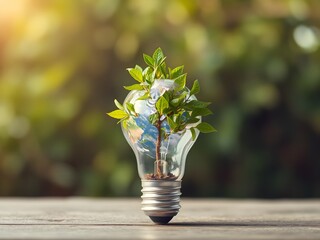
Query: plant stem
x=158, y=146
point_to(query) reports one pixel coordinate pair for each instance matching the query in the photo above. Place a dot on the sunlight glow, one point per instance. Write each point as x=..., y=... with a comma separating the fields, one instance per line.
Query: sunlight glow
x=306, y=37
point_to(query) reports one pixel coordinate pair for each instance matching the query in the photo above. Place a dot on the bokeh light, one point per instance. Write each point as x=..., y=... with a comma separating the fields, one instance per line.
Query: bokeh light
x=63, y=62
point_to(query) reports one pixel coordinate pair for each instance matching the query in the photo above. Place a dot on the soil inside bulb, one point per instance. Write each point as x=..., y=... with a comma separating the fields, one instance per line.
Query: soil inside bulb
x=168, y=177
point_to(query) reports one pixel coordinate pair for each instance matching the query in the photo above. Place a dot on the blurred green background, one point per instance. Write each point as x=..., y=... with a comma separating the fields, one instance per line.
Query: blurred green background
x=62, y=62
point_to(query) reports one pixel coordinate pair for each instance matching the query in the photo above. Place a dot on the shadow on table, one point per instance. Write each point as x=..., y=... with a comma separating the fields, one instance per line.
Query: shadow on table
x=239, y=223
x=247, y=224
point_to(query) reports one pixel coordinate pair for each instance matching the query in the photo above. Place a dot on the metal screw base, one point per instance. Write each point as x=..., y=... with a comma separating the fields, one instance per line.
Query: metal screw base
x=160, y=199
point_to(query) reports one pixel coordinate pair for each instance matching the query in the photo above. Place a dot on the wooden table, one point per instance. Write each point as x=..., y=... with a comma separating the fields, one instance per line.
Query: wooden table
x=84, y=218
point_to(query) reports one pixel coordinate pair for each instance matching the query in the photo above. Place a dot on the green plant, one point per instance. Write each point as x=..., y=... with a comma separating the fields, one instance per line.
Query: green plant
x=175, y=106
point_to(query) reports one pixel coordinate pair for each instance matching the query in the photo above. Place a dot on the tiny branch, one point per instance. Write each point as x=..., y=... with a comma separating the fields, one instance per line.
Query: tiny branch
x=158, y=144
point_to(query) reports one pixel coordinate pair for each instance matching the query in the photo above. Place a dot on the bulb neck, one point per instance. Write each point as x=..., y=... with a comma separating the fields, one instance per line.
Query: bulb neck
x=161, y=168
x=161, y=199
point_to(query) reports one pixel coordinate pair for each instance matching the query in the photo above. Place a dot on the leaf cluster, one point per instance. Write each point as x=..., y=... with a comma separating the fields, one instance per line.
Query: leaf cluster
x=176, y=106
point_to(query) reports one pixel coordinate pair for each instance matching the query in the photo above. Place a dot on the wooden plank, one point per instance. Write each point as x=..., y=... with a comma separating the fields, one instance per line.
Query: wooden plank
x=84, y=218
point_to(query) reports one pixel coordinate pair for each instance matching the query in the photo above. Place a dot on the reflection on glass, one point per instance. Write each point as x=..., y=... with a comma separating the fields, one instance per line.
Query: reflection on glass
x=142, y=137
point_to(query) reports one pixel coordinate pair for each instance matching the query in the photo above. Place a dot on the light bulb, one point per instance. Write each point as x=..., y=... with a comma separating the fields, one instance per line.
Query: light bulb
x=160, y=153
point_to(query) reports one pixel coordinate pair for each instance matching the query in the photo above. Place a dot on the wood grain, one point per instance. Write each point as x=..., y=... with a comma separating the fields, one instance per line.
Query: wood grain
x=85, y=218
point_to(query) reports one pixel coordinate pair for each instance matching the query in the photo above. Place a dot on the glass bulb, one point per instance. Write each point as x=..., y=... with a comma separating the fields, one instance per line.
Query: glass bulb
x=160, y=154
x=142, y=136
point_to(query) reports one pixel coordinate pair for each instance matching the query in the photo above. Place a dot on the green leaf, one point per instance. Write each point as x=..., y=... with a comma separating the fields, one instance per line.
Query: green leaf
x=201, y=112
x=153, y=74
x=164, y=70
x=125, y=124
x=162, y=62
x=134, y=87
x=195, y=88
x=181, y=82
x=119, y=105
x=171, y=123
x=148, y=60
x=158, y=56
x=175, y=102
x=205, y=127
x=130, y=107
x=193, y=133
x=174, y=105
x=196, y=104
x=177, y=118
x=182, y=127
x=193, y=120
x=147, y=76
x=153, y=118
x=161, y=105
x=149, y=81
x=144, y=97
x=137, y=67
x=158, y=73
x=146, y=71
x=167, y=95
x=123, y=119
x=178, y=101
x=136, y=74
x=118, y=114
x=176, y=72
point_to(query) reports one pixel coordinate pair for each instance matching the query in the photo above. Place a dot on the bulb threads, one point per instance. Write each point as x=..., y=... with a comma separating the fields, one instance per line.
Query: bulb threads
x=161, y=199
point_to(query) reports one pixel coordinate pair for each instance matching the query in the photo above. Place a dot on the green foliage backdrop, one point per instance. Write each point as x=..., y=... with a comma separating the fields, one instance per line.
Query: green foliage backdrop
x=63, y=62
